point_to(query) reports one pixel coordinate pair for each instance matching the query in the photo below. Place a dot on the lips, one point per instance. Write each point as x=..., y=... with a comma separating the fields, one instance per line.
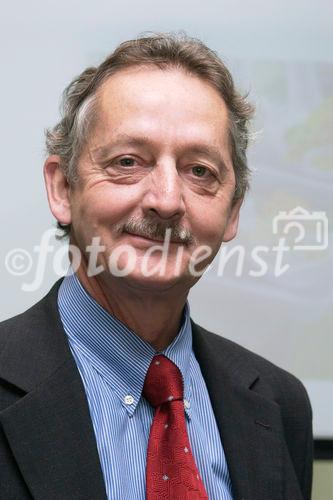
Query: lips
x=144, y=237
x=148, y=238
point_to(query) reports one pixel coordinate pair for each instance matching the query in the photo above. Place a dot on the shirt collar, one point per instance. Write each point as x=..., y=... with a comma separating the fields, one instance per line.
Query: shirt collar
x=119, y=355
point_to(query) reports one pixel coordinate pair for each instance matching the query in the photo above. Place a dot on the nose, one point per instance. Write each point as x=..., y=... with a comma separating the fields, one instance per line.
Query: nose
x=164, y=193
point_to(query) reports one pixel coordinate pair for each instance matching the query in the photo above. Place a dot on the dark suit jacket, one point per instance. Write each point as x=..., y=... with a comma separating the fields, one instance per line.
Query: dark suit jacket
x=47, y=444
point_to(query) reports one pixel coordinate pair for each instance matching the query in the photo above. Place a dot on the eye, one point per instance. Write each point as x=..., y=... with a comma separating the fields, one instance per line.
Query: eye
x=200, y=171
x=126, y=161
x=123, y=163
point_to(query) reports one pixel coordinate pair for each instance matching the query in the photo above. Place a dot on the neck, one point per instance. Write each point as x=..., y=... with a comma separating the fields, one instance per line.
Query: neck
x=153, y=314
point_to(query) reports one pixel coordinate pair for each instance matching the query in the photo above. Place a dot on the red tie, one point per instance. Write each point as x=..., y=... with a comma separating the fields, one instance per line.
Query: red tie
x=171, y=472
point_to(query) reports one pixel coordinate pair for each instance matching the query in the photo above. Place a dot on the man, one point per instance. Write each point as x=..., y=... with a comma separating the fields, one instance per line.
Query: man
x=108, y=389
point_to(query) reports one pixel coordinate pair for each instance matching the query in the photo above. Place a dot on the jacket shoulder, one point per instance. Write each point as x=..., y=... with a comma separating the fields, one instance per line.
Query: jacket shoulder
x=32, y=317
x=278, y=377
x=14, y=325
x=20, y=323
x=32, y=343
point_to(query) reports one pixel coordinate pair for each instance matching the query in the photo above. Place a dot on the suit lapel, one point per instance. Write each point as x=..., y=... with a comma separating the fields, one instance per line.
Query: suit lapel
x=49, y=429
x=249, y=424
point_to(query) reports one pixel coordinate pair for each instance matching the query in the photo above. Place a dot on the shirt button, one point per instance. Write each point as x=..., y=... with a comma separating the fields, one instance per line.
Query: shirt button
x=187, y=404
x=128, y=400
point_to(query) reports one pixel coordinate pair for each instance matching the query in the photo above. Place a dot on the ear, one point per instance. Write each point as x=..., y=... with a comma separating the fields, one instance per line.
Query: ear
x=58, y=192
x=233, y=219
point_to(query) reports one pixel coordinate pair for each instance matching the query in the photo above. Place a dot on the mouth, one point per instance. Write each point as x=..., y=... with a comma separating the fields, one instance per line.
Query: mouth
x=140, y=237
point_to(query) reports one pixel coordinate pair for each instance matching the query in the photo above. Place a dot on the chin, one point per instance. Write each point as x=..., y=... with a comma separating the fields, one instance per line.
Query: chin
x=156, y=283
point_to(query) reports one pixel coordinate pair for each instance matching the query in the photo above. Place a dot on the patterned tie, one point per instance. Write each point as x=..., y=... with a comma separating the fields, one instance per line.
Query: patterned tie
x=171, y=472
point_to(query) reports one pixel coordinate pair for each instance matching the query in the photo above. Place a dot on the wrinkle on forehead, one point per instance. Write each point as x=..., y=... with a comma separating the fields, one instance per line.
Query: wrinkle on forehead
x=151, y=85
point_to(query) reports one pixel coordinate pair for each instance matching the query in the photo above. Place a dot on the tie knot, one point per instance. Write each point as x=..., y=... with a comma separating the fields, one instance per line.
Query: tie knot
x=163, y=381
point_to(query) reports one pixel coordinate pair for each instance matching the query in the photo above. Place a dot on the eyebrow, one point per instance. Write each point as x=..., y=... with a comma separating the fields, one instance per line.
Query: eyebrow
x=102, y=152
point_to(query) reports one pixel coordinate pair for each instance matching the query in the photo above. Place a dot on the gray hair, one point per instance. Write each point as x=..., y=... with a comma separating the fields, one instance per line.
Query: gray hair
x=164, y=50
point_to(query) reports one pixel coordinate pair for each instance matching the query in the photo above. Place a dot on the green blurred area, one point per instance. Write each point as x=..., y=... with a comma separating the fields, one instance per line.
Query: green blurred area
x=322, y=480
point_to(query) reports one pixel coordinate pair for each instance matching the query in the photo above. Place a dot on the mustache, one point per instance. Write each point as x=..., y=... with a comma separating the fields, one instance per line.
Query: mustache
x=155, y=230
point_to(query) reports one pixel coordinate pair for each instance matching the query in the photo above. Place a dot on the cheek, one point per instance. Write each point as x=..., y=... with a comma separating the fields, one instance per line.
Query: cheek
x=211, y=232
x=207, y=220
x=103, y=207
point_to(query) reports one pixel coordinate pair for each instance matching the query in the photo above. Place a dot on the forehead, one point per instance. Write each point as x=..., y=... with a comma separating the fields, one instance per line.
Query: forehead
x=168, y=101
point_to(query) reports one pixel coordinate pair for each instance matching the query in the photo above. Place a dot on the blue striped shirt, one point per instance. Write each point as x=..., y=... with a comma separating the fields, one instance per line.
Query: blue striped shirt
x=113, y=362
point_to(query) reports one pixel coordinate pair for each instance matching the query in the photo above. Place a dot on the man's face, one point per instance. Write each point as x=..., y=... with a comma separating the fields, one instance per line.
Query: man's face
x=157, y=157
